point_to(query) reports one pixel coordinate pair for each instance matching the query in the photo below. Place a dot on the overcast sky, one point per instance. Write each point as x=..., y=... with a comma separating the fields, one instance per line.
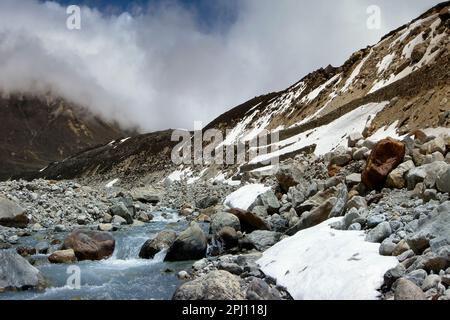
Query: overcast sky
x=165, y=64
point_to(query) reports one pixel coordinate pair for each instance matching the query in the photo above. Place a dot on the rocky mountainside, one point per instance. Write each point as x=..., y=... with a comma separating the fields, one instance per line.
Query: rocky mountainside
x=392, y=88
x=358, y=207
x=36, y=131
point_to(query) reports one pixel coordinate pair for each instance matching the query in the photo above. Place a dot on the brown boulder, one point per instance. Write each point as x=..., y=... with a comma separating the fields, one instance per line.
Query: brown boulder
x=229, y=237
x=386, y=155
x=90, y=245
x=249, y=221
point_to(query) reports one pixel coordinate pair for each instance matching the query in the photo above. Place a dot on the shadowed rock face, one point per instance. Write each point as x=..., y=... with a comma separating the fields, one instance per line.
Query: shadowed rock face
x=36, y=131
x=16, y=273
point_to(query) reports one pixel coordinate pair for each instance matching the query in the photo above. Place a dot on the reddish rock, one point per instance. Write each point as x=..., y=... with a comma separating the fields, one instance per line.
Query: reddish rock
x=249, y=221
x=90, y=245
x=385, y=157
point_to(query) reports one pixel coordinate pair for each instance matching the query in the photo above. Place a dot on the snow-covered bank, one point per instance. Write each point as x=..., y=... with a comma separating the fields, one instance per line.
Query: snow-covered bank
x=321, y=263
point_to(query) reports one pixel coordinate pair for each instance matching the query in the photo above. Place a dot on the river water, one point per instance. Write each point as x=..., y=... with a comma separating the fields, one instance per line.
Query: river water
x=123, y=276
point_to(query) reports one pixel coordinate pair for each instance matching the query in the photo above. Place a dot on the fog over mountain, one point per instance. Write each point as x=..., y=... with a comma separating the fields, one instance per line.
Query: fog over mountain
x=159, y=67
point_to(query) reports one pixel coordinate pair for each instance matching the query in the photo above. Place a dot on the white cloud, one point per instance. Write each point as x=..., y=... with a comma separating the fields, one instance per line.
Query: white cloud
x=159, y=69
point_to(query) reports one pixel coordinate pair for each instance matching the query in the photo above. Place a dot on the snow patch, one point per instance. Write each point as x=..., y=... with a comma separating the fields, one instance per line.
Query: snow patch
x=355, y=73
x=329, y=136
x=321, y=263
x=111, y=183
x=245, y=196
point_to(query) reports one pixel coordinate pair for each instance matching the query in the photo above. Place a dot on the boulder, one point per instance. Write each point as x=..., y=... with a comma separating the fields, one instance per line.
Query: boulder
x=360, y=154
x=396, y=179
x=263, y=240
x=224, y=219
x=118, y=221
x=147, y=195
x=353, y=139
x=162, y=241
x=435, y=228
x=385, y=157
x=228, y=237
x=206, y=202
x=400, y=248
x=16, y=273
x=357, y=202
x=393, y=275
x=120, y=209
x=90, y=245
x=443, y=181
x=353, y=179
x=191, y=244
x=379, y=233
x=278, y=223
x=105, y=227
x=63, y=256
x=12, y=215
x=435, y=145
x=258, y=289
x=407, y=290
x=249, y=222
x=314, y=217
x=288, y=176
x=340, y=159
x=269, y=200
x=216, y=285
x=427, y=173
x=298, y=194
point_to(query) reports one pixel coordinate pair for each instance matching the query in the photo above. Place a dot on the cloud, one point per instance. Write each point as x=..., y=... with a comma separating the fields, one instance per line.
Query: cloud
x=160, y=68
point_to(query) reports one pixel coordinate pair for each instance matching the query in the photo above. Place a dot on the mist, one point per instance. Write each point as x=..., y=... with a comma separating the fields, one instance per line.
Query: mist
x=159, y=68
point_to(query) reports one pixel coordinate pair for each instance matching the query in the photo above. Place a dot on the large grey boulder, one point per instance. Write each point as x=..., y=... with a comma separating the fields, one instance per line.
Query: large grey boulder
x=435, y=145
x=119, y=209
x=16, y=273
x=147, y=194
x=289, y=176
x=396, y=179
x=428, y=174
x=269, y=200
x=434, y=229
x=216, y=285
x=263, y=239
x=12, y=215
x=224, y=219
x=379, y=233
x=191, y=244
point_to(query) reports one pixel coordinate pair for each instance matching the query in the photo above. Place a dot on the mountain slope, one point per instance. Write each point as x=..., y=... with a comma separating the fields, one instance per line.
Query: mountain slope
x=38, y=130
x=392, y=88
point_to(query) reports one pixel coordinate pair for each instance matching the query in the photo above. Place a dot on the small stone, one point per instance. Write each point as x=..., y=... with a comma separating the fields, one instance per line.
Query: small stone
x=183, y=275
x=63, y=256
x=379, y=233
x=105, y=227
